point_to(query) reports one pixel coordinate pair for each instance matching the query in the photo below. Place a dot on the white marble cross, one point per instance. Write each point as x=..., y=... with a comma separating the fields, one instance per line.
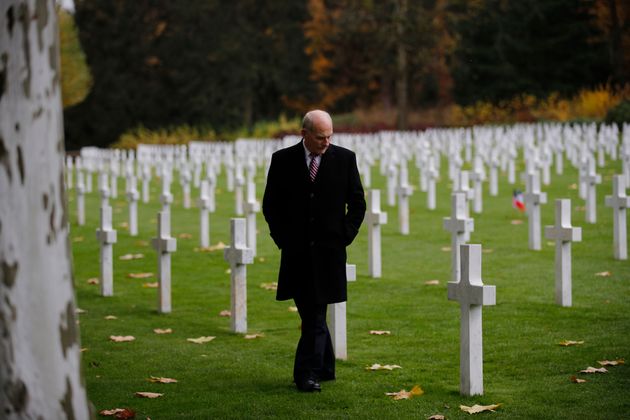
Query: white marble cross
x=238, y=255
x=461, y=185
x=404, y=191
x=431, y=176
x=114, y=171
x=494, y=175
x=164, y=244
x=166, y=198
x=146, y=178
x=374, y=219
x=564, y=234
x=103, y=188
x=204, y=206
x=251, y=208
x=69, y=169
x=80, y=191
x=591, y=179
x=106, y=237
x=132, y=198
x=392, y=176
x=533, y=199
x=459, y=225
x=477, y=176
x=619, y=203
x=472, y=294
x=185, y=180
x=238, y=195
x=338, y=320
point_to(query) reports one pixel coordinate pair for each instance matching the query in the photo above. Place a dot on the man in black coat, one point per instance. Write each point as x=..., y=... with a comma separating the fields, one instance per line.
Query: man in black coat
x=314, y=204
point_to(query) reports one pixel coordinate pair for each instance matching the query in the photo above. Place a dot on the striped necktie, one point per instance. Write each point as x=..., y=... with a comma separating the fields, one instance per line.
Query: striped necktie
x=313, y=167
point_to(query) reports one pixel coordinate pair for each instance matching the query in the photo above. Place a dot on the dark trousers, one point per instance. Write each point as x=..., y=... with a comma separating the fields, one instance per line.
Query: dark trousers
x=314, y=357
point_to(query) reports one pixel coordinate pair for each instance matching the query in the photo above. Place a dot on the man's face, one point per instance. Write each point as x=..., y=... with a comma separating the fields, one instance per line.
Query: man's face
x=318, y=139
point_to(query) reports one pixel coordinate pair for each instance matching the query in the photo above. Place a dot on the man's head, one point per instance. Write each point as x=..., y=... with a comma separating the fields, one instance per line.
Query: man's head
x=317, y=130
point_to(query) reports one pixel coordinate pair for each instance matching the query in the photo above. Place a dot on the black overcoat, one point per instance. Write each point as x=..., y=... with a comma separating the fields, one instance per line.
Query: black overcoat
x=313, y=222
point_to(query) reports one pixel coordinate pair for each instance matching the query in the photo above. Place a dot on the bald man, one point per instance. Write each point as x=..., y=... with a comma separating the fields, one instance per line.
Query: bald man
x=314, y=204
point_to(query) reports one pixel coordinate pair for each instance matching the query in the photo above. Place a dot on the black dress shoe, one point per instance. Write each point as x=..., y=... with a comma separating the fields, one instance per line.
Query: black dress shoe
x=308, y=385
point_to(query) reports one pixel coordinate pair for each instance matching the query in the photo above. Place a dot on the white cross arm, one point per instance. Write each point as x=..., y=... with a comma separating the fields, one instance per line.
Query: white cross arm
x=564, y=234
x=203, y=203
x=620, y=202
x=252, y=207
x=238, y=255
x=459, y=225
x=376, y=218
x=477, y=294
x=404, y=190
x=106, y=236
x=133, y=195
x=164, y=245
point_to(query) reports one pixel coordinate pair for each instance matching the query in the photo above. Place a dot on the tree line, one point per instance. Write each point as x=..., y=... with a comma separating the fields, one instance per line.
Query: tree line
x=223, y=64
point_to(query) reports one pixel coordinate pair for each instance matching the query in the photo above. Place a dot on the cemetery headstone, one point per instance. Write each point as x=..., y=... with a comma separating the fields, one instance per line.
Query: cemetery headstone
x=106, y=237
x=238, y=255
x=619, y=203
x=165, y=245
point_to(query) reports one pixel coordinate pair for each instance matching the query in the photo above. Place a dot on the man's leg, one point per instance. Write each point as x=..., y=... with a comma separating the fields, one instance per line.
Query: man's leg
x=314, y=356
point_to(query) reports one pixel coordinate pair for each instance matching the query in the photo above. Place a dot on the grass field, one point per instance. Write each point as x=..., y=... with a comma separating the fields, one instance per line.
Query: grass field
x=524, y=367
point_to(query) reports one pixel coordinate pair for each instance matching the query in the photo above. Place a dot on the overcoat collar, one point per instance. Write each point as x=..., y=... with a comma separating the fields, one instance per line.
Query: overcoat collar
x=327, y=159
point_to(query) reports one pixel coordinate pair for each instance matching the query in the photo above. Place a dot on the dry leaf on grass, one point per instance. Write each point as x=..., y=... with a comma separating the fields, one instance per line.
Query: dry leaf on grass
x=84, y=349
x=225, y=313
x=77, y=239
x=110, y=317
x=218, y=247
x=119, y=413
x=159, y=379
x=152, y=285
x=261, y=259
x=93, y=280
x=603, y=274
x=380, y=332
x=142, y=243
x=123, y=225
x=228, y=271
x=516, y=222
x=573, y=187
x=269, y=286
x=446, y=249
x=405, y=395
x=478, y=408
x=293, y=309
x=580, y=208
x=128, y=257
x=121, y=338
x=436, y=417
x=611, y=362
x=162, y=331
x=184, y=236
x=592, y=369
x=253, y=336
x=567, y=343
x=577, y=380
x=432, y=282
x=140, y=275
x=201, y=340
x=79, y=311
x=487, y=250
x=377, y=366
x=148, y=394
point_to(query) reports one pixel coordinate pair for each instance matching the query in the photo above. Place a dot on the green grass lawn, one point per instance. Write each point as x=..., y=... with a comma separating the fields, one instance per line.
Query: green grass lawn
x=524, y=367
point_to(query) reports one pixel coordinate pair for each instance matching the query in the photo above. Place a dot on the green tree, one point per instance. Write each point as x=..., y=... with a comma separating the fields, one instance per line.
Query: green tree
x=529, y=46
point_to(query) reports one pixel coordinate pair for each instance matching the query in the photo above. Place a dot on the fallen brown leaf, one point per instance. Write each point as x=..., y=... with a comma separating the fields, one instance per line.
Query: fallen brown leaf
x=580, y=208
x=567, y=343
x=77, y=239
x=84, y=349
x=432, y=282
x=577, y=380
x=446, y=249
x=405, y=395
x=119, y=413
x=93, y=280
x=514, y=222
x=379, y=332
x=142, y=243
x=110, y=317
x=225, y=313
x=184, y=236
x=488, y=251
x=377, y=366
x=603, y=274
x=162, y=331
x=478, y=408
x=228, y=271
x=592, y=369
x=151, y=285
x=201, y=340
x=140, y=275
x=269, y=286
x=162, y=380
x=79, y=311
x=261, y=259
x=253, y=336
x=436, y=417
x=148, y=394
x=611, y=362
x=293, y=309
x=573, y=187
x=123, y=225
x=121, y=338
